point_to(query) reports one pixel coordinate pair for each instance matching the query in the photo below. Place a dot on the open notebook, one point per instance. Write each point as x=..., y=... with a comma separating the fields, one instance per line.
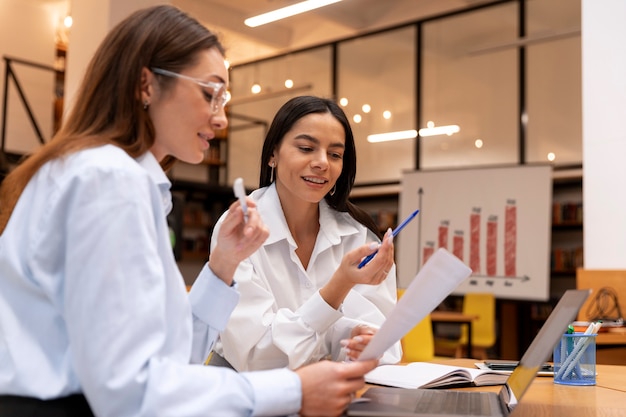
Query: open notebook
x=397, y=402
x=433, y=375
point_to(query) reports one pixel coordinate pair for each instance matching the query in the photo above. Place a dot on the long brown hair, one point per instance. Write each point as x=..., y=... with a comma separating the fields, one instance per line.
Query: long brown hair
x=108, y=107
x=287, y=116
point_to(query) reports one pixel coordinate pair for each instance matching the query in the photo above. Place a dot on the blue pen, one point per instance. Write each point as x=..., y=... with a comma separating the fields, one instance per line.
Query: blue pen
x=394, y=233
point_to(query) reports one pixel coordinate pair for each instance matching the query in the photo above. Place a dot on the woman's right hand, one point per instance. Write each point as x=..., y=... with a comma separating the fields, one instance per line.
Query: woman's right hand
x=237, y=240
x=349, y=274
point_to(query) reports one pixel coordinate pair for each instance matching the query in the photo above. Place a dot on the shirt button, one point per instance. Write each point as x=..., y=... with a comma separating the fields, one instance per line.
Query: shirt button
x=308, y=284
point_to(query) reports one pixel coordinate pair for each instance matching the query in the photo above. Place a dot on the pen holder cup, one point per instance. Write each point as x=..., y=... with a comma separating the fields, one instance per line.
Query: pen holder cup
x=575, y=359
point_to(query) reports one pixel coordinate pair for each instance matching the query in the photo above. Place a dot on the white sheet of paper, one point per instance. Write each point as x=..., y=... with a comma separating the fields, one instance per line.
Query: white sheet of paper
x=439, y=276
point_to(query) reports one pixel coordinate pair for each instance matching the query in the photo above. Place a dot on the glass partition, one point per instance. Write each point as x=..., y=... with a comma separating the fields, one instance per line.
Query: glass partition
x=470, y=81
x=251, y=113
x=554, y=98
x=376, y=87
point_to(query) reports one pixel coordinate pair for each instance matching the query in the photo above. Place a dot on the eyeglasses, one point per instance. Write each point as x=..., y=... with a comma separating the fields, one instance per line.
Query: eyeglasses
x=218, y=97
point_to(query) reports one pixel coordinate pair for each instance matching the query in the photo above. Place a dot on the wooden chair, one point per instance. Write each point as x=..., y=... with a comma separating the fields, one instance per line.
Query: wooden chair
x=482, y=305
x=418, y=345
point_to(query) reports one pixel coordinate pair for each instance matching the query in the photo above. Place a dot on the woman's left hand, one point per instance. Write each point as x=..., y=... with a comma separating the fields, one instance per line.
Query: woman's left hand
x=349, y=274
x=359, y=338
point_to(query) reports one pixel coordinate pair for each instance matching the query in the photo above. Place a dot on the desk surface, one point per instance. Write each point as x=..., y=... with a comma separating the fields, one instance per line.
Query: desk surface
x=545, y=398
x=452, y=317
x=612, y=336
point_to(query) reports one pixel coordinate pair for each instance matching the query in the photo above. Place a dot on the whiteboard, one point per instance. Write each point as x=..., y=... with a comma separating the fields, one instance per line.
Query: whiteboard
x=496, y=220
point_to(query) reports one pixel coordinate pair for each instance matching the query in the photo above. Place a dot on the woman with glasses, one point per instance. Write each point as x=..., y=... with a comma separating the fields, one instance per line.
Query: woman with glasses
x=303, y=296
x=94, y=315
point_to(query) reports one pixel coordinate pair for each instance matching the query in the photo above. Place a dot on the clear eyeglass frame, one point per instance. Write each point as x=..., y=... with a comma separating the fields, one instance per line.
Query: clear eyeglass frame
x=220, y=96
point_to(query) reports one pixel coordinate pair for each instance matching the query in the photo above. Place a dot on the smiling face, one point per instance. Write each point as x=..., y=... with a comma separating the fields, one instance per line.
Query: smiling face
x=309, y=158
x=180, y=109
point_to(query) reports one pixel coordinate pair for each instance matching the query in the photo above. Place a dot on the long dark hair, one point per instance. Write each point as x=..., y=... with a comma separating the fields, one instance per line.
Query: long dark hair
x=108, y=107
x=286, y=117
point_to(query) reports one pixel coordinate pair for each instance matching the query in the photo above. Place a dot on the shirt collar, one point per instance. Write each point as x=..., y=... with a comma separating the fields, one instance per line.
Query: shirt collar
x=333, y=224
x=148, y=162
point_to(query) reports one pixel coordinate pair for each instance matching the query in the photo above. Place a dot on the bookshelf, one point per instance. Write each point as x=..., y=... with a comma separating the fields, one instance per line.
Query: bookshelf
x=567, y=234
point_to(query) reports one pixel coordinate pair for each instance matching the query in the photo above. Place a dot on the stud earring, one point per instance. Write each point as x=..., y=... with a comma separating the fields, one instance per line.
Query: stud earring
x=146, y=104
x=334, y=190
x=272, y=164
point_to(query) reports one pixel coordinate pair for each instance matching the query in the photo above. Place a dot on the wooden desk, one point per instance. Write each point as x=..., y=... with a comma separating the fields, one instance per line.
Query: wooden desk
x=456, y=317
x=612, y=336
x=606, y=398
x=544, y=398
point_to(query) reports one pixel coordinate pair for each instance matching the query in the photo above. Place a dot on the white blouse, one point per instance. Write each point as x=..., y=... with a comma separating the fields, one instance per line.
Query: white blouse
x=92, y=302
x=281, y=319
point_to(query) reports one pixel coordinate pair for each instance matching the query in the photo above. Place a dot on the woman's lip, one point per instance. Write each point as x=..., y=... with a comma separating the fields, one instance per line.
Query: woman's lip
x=315, y=184
x=204, y=141
x=315, y=179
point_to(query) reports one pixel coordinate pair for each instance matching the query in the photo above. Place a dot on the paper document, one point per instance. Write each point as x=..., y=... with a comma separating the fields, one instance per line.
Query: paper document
x=433, y=283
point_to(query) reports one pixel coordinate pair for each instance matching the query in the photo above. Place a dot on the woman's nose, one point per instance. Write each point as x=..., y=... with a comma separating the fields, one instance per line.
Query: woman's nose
x=219, y=120
x=320, y=160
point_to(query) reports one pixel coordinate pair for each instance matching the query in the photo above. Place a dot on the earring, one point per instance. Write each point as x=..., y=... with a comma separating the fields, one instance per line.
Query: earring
x=146, y=104
x=272, y=164
x=334, y=190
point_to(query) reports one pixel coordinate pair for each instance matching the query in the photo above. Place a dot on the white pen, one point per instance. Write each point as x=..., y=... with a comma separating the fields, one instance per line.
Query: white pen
x=240, y=193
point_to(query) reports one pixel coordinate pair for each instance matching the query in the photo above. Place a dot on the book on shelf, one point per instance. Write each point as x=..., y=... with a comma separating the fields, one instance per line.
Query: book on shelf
x=433, y=375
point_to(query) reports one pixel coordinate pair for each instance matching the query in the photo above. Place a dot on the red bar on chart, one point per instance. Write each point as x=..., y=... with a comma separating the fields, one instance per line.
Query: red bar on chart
x=429, y=249
x=474, y=257
x=510, y=238
x=457, y=244
x=443, y=234
x=492, y=241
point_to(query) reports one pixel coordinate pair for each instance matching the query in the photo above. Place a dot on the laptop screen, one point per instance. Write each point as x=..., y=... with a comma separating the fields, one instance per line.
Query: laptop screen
x=542, y=345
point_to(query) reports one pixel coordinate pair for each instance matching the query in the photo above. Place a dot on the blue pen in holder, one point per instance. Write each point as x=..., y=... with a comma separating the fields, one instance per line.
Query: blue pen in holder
x=575, y=359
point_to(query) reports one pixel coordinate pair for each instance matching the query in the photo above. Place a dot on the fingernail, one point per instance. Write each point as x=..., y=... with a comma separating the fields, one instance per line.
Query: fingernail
x=344, y=342
x=358, y=339
x=374, y=245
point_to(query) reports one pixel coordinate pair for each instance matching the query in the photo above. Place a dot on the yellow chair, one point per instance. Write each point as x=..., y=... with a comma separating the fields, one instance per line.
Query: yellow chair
x=482, y=305
x=418, y=345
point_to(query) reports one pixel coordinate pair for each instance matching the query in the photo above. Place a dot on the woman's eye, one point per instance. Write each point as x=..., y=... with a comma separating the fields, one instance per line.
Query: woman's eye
x=306, y=149
x=207, y=96
x=336, y=156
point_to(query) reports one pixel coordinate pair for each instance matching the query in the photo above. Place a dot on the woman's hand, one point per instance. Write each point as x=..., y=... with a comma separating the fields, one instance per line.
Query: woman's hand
x=349, y=274
x=359, y=338
x=237, y=240
x=329, y=387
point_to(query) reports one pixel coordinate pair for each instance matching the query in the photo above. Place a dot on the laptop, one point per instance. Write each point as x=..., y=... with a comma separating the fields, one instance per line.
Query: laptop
x=400, y=402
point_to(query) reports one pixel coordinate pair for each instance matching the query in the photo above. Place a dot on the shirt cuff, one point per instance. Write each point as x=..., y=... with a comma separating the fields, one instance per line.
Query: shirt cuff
x=318, y=314
x=276, y=392
x=212, y=300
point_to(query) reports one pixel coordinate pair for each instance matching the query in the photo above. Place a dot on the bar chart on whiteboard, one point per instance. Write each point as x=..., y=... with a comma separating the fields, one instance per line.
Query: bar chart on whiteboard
x=496, y=220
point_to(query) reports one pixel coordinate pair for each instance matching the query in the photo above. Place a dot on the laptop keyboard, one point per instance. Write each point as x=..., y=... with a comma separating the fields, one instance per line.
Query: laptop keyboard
x=454, y=402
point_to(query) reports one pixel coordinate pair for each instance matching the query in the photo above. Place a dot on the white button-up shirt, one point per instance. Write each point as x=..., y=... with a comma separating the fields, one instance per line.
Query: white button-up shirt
x=91, y=300
x=281, y=319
